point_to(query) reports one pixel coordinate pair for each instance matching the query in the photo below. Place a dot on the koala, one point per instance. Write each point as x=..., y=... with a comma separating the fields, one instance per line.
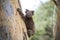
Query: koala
x=28, y=21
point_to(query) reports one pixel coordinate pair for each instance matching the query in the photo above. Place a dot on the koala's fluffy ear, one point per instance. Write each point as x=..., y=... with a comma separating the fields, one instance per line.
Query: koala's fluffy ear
x=26, y=10
x=32, y=12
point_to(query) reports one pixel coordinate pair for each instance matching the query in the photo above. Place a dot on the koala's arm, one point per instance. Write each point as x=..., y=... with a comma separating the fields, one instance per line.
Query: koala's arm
x=20, y=12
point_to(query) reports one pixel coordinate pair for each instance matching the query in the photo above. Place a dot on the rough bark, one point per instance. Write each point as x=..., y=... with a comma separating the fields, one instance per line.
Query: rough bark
x=12, y=26
x=57, y=28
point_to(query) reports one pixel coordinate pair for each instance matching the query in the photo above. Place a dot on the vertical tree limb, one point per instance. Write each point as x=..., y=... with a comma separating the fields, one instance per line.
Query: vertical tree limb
x=12, y=26
x=57, y=28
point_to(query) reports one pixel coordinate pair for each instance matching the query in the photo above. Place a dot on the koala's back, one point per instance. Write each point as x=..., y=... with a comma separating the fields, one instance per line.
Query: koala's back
x=29, y=23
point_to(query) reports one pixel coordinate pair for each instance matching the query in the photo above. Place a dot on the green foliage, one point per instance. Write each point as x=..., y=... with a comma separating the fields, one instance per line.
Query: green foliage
x=44, y=19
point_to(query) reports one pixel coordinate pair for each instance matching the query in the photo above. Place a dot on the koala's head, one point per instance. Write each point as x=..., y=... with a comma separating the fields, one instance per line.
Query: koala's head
x=29, y=13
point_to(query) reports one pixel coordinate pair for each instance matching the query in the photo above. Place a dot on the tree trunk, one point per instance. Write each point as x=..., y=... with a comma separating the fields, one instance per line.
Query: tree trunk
x=57, y=28
x=12, y=26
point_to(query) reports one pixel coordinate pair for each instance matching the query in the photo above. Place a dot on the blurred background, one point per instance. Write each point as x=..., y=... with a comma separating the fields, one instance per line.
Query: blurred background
x=44, y=17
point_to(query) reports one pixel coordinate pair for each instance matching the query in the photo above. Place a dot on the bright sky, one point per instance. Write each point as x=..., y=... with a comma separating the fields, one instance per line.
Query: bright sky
x=31, y=4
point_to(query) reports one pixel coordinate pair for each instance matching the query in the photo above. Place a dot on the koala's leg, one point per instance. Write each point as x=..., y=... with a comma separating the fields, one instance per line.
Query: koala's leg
x=30, y=32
